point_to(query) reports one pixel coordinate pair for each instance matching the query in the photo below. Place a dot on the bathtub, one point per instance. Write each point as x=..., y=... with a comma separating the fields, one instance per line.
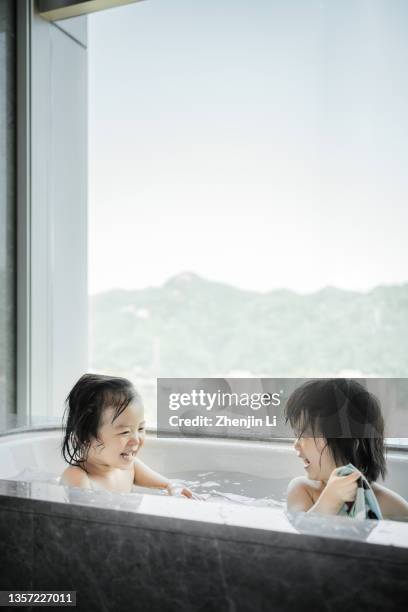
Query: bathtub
x=177, y=554
x=277, y=462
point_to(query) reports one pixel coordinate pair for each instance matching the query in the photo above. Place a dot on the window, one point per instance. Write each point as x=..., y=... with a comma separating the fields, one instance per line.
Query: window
x=247, y=189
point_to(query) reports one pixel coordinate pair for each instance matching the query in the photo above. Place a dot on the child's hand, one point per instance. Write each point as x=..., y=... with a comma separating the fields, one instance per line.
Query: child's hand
x=187, y=493
x=177, y=489
x=341, y=489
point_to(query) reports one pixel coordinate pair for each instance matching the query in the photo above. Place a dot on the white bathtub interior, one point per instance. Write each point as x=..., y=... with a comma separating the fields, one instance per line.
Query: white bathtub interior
x=246, y=472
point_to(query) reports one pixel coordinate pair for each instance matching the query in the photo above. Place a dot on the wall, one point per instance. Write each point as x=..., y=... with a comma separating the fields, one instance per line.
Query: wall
x=7, y=211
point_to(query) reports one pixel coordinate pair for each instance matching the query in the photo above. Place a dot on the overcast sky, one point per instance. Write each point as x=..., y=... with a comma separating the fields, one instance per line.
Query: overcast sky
x=262, y=143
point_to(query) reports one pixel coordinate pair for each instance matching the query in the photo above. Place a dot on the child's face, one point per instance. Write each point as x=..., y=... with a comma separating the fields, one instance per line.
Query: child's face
x=316, y=456
x=121, y=439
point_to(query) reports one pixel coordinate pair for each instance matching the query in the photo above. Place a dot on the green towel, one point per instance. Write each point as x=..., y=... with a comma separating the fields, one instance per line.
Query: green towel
x=365, y=506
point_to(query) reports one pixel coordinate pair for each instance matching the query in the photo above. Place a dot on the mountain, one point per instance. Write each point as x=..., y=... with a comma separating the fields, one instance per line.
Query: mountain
x=191, y=326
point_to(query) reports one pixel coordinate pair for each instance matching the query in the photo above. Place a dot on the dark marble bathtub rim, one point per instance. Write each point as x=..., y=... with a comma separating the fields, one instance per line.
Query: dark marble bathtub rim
x=300, y=541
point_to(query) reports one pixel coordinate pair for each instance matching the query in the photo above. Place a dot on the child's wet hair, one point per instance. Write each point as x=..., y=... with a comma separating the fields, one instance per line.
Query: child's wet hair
x=347, y=415
x=85, y=404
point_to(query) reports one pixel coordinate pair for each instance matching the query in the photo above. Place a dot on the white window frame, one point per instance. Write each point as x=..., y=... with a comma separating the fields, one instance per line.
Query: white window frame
x=52, y=340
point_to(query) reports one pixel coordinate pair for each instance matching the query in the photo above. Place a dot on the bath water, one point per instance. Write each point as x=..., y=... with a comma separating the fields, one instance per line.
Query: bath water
x=236, y=487
x=214, y=486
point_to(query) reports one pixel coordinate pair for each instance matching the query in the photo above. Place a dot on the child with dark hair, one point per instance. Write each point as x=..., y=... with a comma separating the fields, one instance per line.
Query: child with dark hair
x=104, y=431
x=338, y=422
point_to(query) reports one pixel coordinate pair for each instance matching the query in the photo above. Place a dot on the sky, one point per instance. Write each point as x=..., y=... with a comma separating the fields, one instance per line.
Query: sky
x=259, y=143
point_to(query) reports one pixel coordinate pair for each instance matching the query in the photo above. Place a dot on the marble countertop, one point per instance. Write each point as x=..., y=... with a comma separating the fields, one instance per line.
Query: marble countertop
x=184, y=514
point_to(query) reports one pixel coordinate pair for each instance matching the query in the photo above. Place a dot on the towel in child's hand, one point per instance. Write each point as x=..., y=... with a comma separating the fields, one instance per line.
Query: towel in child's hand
x=365, y=506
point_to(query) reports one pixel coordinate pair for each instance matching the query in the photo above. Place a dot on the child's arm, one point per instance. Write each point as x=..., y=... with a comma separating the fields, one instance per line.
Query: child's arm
x=338, y=490
x=392, y=505
x=146, y=477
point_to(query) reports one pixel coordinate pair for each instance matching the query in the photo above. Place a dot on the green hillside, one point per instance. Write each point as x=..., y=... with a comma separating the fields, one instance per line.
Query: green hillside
x=194, y=327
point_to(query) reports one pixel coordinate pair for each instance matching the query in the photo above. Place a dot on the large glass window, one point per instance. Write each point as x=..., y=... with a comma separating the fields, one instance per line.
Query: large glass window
x=247, y=189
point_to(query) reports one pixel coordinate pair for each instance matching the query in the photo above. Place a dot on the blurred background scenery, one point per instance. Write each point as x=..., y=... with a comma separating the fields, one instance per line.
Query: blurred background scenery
x=247, y=189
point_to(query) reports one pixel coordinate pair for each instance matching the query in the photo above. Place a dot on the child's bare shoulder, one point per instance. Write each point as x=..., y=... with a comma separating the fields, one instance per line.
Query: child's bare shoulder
x=302, y=483
x=392, y=505
x=303, y=493
x=74, y=476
